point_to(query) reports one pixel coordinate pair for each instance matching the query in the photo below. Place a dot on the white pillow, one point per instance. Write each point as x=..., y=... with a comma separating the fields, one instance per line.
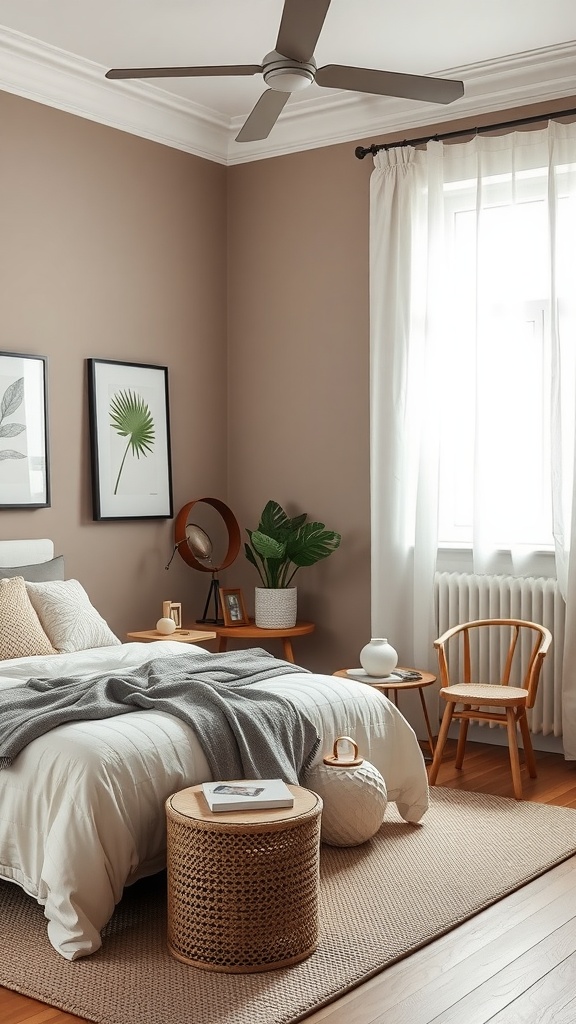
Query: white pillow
x=70, y=620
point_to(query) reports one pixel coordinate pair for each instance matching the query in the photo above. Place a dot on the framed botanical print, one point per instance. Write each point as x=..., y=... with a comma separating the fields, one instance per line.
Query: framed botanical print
x=129, y=440
x=24, y=462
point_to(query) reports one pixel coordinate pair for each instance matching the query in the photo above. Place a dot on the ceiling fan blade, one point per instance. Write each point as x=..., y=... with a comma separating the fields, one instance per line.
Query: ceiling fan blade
x=301, y=24
x=199, y=72
x=390, y=83
x=263, y=116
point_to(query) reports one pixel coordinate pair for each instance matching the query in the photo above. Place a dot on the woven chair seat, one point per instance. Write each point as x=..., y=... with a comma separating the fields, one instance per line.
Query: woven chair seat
x=484, y=693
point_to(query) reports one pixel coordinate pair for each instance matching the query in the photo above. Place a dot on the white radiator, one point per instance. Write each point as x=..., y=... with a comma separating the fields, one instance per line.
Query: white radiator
x=462, y=597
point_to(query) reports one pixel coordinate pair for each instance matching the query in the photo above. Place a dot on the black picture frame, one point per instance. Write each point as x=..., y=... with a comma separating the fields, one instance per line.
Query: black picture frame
x=129, y=412
x=24, y=448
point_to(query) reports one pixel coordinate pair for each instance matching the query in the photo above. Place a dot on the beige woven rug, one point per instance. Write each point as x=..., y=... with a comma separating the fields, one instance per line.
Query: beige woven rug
x=379, y=901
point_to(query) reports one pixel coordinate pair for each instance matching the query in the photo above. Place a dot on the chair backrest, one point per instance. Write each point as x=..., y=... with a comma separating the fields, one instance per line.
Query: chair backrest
x=499, y=651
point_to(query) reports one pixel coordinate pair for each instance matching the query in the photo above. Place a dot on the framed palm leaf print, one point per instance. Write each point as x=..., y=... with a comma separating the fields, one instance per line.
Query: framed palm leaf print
x=129, y=440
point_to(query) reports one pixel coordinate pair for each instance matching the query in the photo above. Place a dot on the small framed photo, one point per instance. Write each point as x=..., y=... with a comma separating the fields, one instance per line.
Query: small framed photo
x=24, y=465
x=176, y=613
x=129, y=440
x=233, y=609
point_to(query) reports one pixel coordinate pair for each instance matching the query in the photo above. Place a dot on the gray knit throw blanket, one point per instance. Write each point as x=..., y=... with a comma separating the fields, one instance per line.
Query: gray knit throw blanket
x=244, y=732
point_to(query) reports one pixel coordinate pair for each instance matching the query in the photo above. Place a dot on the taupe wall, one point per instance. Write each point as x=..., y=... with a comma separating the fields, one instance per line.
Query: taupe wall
x=114, y=247
x=298, y=374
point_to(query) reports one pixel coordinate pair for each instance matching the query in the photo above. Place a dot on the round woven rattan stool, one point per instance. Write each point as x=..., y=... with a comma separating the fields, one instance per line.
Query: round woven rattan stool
x=242, y=885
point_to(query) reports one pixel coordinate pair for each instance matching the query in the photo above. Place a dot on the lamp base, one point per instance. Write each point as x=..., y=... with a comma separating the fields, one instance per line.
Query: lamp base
x=214, y=596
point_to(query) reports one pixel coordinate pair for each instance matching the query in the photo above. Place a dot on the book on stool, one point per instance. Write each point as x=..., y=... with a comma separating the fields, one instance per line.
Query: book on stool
x=247, y=795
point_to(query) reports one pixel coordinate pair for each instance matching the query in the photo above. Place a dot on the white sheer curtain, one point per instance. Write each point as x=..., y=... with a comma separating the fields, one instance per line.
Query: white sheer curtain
x=439, y=336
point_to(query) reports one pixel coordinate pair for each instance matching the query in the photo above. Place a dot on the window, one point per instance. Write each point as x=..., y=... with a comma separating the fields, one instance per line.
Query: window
x=497, y=358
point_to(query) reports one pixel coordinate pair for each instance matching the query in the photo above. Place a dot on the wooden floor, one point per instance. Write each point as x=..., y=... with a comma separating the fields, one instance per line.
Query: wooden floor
x=514, y=963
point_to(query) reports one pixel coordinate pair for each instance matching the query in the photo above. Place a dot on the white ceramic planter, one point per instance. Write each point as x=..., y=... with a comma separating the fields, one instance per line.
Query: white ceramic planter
x=275, y=609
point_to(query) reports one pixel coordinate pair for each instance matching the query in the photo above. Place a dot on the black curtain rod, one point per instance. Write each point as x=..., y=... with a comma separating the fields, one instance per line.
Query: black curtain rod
x=362, y=151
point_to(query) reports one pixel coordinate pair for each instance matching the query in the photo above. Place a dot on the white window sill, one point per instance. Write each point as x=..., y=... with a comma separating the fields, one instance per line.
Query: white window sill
x=459, y=559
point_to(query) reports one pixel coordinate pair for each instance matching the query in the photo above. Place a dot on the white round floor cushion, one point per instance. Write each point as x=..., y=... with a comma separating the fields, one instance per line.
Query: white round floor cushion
x=354, y=800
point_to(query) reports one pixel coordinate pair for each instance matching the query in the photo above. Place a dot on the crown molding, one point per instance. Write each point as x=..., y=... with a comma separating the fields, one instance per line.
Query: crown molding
x=48, y=75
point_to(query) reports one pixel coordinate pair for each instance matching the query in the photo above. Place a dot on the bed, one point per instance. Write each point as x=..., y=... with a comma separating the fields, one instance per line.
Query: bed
x=82, y=807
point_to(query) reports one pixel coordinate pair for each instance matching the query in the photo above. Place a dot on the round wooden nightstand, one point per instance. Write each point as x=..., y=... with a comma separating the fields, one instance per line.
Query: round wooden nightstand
x=253, y=632
x=395, y=686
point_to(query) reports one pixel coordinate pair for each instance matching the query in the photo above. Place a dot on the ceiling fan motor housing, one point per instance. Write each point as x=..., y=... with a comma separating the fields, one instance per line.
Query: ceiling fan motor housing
x=286, y=75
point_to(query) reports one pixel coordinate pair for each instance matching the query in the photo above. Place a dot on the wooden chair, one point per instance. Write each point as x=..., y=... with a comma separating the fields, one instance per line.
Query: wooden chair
x=500, y=702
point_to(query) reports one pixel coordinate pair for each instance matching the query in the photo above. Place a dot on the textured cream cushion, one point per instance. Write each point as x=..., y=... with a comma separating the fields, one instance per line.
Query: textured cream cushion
x=21, y=635
x=68, y=616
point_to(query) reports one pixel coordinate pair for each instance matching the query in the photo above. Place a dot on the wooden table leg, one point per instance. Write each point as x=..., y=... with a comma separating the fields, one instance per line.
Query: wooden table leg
x=222, y=644
x=288, y=652
x=427, y=720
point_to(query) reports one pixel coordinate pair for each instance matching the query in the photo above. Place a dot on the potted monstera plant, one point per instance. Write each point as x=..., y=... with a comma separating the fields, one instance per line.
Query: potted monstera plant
x=278, y=548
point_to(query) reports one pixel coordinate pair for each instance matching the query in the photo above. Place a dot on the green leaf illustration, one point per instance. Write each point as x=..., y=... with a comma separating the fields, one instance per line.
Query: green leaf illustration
x=130, y=417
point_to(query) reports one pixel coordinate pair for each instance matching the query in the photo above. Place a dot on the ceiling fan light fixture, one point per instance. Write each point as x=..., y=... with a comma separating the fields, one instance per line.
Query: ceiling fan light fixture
x=285, y=75
x=288, y=79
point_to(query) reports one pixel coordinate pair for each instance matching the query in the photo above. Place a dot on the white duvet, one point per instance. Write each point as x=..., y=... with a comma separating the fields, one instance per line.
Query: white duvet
x=82, y=807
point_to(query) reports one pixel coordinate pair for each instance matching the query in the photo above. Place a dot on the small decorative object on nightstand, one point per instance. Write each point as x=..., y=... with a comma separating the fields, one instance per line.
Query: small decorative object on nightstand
x=171, y=618
x=353, y=793
x=175, y=613
x=233, y=607
x=166, y=626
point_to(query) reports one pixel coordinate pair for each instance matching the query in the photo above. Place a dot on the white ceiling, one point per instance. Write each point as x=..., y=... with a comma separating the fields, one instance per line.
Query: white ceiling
x=508, y=52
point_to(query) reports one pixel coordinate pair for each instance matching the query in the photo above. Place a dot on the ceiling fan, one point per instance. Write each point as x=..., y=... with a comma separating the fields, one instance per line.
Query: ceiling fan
x=291, y=67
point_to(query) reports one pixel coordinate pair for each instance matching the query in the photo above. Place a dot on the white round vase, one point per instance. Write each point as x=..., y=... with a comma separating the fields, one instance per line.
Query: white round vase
x=166, y=626
x=354, y=796
x=378, y=657
x=275, y=609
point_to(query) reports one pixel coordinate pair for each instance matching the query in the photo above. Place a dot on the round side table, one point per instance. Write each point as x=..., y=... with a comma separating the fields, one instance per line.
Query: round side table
x=253, y=632
x=243, y=885
x=395, y=686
